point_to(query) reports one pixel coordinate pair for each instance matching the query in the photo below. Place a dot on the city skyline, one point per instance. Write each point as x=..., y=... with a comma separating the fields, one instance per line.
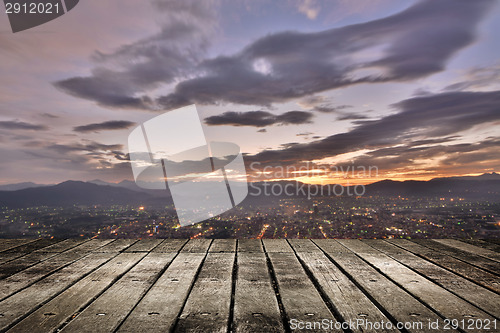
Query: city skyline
x=410, y=88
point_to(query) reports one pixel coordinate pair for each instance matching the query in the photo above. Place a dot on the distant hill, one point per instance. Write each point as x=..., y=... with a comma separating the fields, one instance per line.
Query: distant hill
x=471, y=188
x=20, y=186
x=484, y=176
x=72, y=193
x=97, y=192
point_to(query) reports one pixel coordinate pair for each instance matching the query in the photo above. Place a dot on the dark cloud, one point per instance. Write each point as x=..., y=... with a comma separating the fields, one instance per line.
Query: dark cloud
x=417, y=42
x=430, y=117
x=169, y=55
x=259, y=118
x=352, y=116
x=414, y=43
x=478, y=77
x=21, y=125
x=85, y=147
x=263, y=130
x=331, y=109
x=49, y=115
x=107, y=125
x=451, y=158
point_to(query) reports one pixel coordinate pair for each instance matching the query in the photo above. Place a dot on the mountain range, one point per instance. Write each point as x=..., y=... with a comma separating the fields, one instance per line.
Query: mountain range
x=98, y=192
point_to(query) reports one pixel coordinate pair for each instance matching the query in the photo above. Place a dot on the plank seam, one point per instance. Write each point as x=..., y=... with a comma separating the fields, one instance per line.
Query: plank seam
x=434, y=281
x=147, y=290
x=84, y=306
x=456, y=256
x=230, y=322
x=336, y=314
x=274, y=283
x=38, y=306
x=437, y=263
x=174, y=326
x=393, y=320
x=401, y=287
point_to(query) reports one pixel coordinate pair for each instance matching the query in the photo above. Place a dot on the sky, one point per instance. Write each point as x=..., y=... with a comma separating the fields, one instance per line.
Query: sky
x=410, y=89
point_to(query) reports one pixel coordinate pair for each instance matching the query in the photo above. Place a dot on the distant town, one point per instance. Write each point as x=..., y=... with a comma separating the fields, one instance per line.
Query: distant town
x=321, y=217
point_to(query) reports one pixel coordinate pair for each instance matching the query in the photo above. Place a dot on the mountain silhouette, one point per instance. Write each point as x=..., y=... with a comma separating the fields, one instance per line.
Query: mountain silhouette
x=98, y=192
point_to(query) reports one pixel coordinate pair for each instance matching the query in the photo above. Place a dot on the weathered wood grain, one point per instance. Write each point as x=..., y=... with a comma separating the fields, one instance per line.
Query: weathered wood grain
x=207, y=308
x=277, y=245
x=455, y=265
x=144, y=245
x=170, y=245
x=470, y=248
x=22, y=250
x=484, y=244
x=470, y=291
x=250, y=245
x=441, y=300
x=396, y=302
x=255, y=304
x=7, y=244
x=223, y=245
x=110, y=309
x=473, y=259
x=30, y=275
x=61, y=308
x=301, y=300
x=27, y=300
x=197, y=246
x=350, y=302
x=159, y=308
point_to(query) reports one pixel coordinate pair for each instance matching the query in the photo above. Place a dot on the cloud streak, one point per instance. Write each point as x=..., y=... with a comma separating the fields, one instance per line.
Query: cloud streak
x=104, y=126
x=412, y=44
x=434, y=116
x=259, y=118
x=21, y=125
x=401, y=47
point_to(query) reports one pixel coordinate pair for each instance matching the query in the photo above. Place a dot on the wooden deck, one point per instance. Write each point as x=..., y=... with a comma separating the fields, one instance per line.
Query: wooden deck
x=225, y=285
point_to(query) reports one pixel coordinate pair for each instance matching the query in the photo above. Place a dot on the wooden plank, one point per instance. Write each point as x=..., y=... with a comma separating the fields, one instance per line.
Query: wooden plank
x=304, y=245
x=7, y=244
x=471, y=292
x=439, y=299
x=144, y=245
x=38, y=271
x=197, y=246
x=111, y=308
x=396, y=302
x=208, y=305
x=22, y=250
x=350, y=302
x=493, y=240
x=223, y=245
x=159, y=308
x=250, y=245
x=473, y=259
x=31, y=246
x=17, y=306
x=276, y=245
x=481, y=243
x=255, y=305
x=63, y=245
x=301, y=301
x=53, y=314
x=470, y=248
x=14, y=266
x=479, y=276
x=170, y=245
x=118, y=245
